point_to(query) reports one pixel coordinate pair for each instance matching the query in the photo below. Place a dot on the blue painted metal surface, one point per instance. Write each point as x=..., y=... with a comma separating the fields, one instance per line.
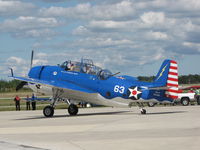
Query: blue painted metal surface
x=98, y=80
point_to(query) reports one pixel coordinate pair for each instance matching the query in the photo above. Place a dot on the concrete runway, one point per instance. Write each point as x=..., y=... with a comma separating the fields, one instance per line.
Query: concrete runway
x=163, y=128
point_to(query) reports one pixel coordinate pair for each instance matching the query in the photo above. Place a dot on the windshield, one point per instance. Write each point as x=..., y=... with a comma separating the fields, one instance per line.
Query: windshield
x=104, y=74
x=71, y=66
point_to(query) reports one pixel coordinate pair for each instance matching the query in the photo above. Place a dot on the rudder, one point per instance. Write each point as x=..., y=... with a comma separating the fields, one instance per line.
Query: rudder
x=172, y=81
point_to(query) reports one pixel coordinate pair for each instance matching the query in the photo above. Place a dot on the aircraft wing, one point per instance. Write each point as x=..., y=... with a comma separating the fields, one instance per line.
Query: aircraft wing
x=54, y=84
x=159, y=88
x=189, y=87
x=180, y=87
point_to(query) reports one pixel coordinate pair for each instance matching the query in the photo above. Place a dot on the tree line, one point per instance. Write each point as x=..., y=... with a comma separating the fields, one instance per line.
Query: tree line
x=10, y=86
x=183, y=79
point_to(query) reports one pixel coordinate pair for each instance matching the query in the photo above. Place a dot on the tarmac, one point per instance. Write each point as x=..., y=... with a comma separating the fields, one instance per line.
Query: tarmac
x=162, y=128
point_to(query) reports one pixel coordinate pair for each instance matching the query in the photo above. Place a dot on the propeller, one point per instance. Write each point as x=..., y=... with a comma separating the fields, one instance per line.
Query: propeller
x=32, y=54
x=21, y=84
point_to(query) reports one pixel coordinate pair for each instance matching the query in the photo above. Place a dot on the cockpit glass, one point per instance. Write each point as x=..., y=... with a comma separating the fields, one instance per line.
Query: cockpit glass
x=64, y=64
x=71, y=66
x=105, y=74
x=86, y=66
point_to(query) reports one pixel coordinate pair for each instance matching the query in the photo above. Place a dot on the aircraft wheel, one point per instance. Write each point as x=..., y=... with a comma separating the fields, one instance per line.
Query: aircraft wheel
x=185, y=101
x=143, y=111
x=48, y=111
x=72, y=109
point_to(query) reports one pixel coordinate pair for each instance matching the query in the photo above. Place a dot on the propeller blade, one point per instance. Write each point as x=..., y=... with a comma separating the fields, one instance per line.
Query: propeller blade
x=32, y=54
x=20, y=85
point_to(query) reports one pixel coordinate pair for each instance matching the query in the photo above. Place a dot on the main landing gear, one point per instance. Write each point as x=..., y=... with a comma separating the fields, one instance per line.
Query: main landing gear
x=48, y=111
x=72, y=109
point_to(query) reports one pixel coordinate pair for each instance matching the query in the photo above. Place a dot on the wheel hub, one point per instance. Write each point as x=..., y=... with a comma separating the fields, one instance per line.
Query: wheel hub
x=185, y=102
x=47, y=111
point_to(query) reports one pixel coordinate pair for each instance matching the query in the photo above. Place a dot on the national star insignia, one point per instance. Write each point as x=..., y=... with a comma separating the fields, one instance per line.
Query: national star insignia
x=134, y=92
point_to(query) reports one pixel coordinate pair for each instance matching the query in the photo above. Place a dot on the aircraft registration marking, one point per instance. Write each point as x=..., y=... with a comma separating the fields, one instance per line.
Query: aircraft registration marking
x=119, y=89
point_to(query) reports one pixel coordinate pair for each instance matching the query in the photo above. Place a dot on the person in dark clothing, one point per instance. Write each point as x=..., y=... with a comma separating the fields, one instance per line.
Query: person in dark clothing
x=33, y=103
x=28, y=106
x=17, y=102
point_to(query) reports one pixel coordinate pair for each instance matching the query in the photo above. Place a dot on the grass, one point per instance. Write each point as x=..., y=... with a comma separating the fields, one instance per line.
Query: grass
x=9, y=105
x=7, y=102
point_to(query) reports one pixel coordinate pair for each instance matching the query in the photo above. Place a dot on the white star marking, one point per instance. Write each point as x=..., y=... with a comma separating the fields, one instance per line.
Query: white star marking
x=134, y=92
x=55, y=73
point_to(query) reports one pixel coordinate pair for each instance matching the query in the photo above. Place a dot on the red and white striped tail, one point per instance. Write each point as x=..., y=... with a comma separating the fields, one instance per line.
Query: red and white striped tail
x=172, y=81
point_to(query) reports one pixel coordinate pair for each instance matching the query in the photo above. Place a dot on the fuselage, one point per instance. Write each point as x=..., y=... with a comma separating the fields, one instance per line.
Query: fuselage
x=109, y=88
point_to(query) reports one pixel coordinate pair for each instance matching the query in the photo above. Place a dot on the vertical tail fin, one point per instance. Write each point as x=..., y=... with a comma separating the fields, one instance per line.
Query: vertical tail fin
x=172, y=81
x=162, y=75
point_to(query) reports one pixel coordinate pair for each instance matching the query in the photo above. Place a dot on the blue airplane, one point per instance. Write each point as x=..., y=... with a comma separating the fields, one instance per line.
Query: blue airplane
x=85, y=82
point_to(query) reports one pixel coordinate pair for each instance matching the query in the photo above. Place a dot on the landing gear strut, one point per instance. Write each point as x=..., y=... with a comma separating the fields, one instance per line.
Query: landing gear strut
x=48, y=111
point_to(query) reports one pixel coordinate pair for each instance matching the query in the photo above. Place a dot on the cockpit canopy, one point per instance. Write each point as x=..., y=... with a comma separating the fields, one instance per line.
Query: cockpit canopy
x=86, y=66
x=104, y=74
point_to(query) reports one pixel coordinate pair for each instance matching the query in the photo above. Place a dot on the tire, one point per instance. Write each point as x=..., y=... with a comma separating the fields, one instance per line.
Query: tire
x=48, y=111
x=151, y=104
x=72, y=110
x=185, y=101
x=143, y=111
x=198, y=100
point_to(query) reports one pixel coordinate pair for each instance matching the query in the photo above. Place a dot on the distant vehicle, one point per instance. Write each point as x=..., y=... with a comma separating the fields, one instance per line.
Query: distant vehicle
x=84, y=81
x=185, y=96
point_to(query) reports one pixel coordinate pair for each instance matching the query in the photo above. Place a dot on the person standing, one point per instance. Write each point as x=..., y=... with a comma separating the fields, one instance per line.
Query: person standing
x=33, y=103
x=197, y=95
x=17, y=102
x=28, y=106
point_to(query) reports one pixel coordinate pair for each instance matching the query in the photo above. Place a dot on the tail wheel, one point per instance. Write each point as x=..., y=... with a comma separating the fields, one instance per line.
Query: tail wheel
x=72, y=109
x=143, y=111
x=48, y=111
x=185, y=101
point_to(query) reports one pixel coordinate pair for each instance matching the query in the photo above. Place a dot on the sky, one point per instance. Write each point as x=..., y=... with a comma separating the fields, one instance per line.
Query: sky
x=130, y=36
